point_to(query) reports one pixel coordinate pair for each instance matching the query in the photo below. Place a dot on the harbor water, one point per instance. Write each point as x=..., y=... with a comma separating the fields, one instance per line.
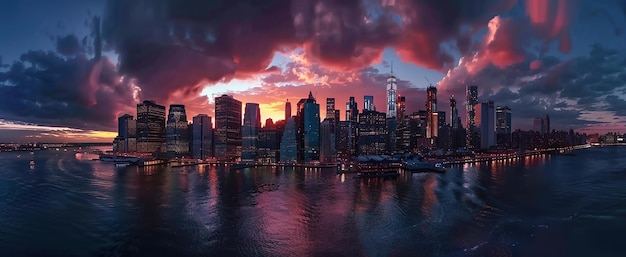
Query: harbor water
x=65, y=205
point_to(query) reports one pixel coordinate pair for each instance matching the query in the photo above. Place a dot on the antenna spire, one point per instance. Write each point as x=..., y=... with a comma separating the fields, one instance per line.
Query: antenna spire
x=391, y=67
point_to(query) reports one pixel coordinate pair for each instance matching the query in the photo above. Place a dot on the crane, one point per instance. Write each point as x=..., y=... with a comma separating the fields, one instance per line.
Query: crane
x=428, y=80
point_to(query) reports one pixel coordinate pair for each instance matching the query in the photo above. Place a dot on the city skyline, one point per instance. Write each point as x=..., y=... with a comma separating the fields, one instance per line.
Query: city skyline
x=516, y=54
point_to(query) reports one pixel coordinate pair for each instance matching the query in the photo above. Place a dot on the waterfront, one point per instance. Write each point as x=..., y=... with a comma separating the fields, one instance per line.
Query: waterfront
x=542, y=206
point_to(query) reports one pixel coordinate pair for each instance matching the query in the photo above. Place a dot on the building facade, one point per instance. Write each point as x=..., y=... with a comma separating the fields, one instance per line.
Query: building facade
x=471, y=133
x=250, y=132
x=485, y=123
x=372, y=139
x=503, y=126
x=150, y=127
x=202, y=137
x=177, y=132
x=227, y=136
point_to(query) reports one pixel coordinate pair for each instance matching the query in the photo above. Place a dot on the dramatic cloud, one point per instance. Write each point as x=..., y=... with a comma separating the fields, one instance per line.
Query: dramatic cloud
x=47, y=88
x=171, y=46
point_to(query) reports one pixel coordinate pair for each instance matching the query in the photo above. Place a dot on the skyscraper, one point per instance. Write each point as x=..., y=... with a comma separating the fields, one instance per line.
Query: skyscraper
x=250, y=132
x=288, y=144
x=392, y=96
x=431, y=110
x=401, y=107
x=352, y=110
x=368, y=103
x=287, y=110
x=454, y=113
x=311, y=130
x=202, y=137
x=547, y=123
x=328, y=150
x=150, y=127
x=538, y=125
x=472, y=100
x=372, y=133
x=177, y=132
x=485, y=122
x=227, y=137
x=503, y=126
x=126, y=133
x=330, y=108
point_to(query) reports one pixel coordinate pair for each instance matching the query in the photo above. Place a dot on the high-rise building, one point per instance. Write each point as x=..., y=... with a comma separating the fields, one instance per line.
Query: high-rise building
x=177, y=132
x=250, y=132
x=202, y=137
x=227, y=136
x=269, y=142
x=287, y=110
x=372, y=137
x=288, y=144
x=454, y=113
x=503, y=126
x=547, y=123
x=311, y=130
x=126, y=134
x=150, y=127
x=330, y=108
x=368, y=103
x=472, y=100
x=392, y=96
x=352, y=110
x=485, y=122
x=401, y=107
x=328, y=150
x=431, y=110
x=539, y=125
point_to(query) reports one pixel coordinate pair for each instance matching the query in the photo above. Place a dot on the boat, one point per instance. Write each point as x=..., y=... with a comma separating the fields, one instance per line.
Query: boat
x=118, y=159
x=377, y=166
x=241, y=166
x=417, y=166
x=31, y=163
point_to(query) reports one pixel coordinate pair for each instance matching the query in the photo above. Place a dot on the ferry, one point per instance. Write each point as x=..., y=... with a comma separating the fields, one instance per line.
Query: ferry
x=119, y=159
x=417, y=166
x=377, y=166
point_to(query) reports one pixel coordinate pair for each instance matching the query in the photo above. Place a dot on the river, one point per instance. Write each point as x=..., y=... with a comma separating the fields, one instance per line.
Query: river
x=539, y=206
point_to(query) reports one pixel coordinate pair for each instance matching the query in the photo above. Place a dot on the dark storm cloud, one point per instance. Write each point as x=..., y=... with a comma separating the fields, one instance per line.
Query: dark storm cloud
x=46, y=88
x=68, y=45
x=169, y=45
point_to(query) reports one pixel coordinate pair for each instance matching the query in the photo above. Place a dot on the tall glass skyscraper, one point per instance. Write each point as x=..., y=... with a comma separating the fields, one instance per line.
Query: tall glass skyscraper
x=150, y=127
x=311, y=130
x=227, y=135
x=202, y=137
x=392, y=96
x=454, y=114
x=372, y=133
x=288, y=144
x=126, y=134
x=485, y=121
x=177, y=132
x=503, y=126
x=287, y=110
x=472, y=100
x=432, y=120
x=368, y=103
x=250, y=132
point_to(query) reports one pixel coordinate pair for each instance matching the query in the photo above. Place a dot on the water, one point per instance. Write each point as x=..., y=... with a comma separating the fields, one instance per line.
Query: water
x=542, y=206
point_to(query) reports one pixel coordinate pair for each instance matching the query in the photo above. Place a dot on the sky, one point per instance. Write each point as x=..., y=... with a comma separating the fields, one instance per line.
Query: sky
x=562, y=58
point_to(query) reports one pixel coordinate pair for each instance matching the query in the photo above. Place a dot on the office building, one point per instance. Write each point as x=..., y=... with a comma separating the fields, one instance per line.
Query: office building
x=454, y=114
x=503, y=126
x=126, y=134
x=368, y=103
x=177, y=132
x=202, y=137
x=328, y=150
x=372, y=139
x=485, y=124
x=150, y=127
x=539, y=125
x=431, y=113
x=547, y=124
x=227, y=136
x=311, y=130
x=288, y=144
x=472, y=100
x=287, y=110
x=250, y=132
x=392, y=96
x=330, y=108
